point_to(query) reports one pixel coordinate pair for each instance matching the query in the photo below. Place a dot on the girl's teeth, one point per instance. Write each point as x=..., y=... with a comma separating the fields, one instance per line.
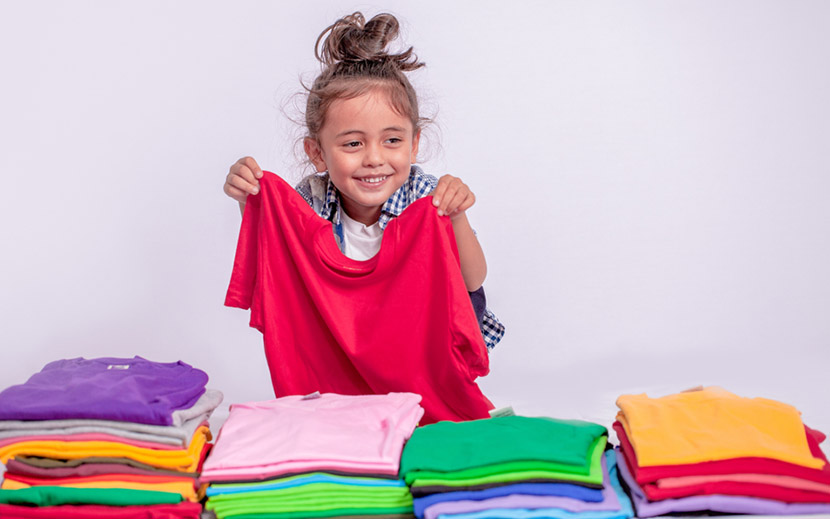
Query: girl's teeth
x=373, y=180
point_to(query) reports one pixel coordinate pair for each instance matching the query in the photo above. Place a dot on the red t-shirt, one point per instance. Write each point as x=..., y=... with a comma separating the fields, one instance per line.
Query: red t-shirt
x=401, y=321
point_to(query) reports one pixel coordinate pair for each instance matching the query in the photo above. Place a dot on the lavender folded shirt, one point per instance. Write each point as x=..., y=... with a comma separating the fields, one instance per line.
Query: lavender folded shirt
x=129, y=390
x=609, y=501
x=570, y=490
x=712, y=502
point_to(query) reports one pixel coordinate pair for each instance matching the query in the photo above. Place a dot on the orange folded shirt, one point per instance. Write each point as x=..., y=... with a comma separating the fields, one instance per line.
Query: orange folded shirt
x=713, y=424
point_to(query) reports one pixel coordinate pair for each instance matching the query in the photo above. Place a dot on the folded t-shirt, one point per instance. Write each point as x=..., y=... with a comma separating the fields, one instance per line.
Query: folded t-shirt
x=108, y=388
x=713, y=503
x=713, y=424
x=608, y=502
x=178, y=459
x=755, y=465
x=185, y=422
x=351, y=433
x=450, y=447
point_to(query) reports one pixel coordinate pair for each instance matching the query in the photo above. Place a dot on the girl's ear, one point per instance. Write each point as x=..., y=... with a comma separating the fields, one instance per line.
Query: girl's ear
x=315, y=154
x=416, y=139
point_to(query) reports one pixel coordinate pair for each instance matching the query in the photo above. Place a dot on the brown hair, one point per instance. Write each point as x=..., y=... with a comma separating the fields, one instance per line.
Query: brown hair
x=355, y=61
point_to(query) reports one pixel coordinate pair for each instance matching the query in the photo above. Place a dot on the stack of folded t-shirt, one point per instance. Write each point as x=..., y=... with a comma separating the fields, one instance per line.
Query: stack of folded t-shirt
x=709, y=450
x=309, y=456
x=105, y=437
x=513, y=467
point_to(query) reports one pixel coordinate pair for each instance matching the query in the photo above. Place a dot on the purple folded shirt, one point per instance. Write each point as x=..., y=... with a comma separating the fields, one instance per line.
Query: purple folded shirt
x=127, y=390
x=570, y=490
x=711, y=502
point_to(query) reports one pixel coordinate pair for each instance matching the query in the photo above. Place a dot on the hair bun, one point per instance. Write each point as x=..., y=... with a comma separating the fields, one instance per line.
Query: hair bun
x=352, y=39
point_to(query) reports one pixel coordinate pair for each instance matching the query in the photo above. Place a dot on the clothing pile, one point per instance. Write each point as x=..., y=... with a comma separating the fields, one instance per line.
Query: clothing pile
x=309, y=456
x=513, y=467
x=711, y=450
x=105, y=437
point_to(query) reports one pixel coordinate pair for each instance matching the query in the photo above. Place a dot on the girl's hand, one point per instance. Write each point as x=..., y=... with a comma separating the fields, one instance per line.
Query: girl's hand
x=243, y=179
x=452, y=197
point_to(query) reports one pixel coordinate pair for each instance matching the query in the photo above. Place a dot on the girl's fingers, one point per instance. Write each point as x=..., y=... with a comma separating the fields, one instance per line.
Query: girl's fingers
x=445, y=184
x=235, y=193
x=449, y=186
x=449, y=202
x=452, y=196
x=438, y=192
x=446, y=198
x=242, y=170
x=467, y=203
x=252, y=166
x=252, y=180
x=243, y=179
x=459, y=201
x=247, y=185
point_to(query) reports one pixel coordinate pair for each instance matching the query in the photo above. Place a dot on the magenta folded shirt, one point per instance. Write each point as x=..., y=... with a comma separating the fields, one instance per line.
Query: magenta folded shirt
x=128, y=390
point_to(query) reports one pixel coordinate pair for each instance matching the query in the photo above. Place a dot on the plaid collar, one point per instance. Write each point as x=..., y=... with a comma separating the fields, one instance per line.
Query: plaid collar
x=410, y=191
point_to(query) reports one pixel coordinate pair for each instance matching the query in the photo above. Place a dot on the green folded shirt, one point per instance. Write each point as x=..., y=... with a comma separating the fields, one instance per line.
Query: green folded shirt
x=53, y=496
x=317, y=491
x=306, y=479
x=513, y=471
x=553, y=470
x=314, y=497
x=340, y=513
x=455, y=446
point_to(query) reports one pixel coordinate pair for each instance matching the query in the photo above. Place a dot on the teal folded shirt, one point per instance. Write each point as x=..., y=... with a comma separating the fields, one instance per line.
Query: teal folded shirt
x=54, y=496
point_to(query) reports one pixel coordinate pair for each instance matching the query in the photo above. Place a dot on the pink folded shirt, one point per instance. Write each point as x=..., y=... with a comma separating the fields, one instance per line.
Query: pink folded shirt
x=361, y=434
x=769, y=479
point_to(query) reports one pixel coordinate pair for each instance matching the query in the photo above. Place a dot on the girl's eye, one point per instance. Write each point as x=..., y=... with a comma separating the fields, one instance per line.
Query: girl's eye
x=394, y=140
x=352, y=144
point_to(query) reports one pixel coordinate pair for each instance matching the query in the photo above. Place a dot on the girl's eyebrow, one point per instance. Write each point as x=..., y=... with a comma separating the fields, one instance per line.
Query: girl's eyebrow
x=348, y=132
x=361, y=132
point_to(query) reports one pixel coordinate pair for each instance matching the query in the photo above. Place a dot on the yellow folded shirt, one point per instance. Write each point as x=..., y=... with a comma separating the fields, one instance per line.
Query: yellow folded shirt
x=185, y=489
x=713, y=424
x=176, y=459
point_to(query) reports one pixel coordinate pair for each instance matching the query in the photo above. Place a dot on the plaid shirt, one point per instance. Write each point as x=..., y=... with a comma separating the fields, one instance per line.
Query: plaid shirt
x=323, y=197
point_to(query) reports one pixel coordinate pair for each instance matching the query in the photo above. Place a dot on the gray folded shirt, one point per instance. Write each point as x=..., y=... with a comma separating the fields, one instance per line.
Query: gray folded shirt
x=185, y=423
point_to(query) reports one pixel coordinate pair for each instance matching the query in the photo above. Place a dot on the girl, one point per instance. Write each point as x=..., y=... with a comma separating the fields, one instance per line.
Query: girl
x=364, y=128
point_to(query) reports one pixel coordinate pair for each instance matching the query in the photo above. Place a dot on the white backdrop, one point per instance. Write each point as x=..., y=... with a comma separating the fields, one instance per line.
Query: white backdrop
x=652, y=183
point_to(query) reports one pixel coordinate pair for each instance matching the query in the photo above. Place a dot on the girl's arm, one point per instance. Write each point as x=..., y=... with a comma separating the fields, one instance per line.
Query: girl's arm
x=452, y=197
x=473, y=264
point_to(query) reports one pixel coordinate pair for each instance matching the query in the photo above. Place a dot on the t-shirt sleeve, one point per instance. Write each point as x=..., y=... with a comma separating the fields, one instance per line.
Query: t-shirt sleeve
x=244, y=276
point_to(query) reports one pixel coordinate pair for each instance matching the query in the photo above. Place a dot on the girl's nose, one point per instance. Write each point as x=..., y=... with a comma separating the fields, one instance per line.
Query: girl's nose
x=373, y=156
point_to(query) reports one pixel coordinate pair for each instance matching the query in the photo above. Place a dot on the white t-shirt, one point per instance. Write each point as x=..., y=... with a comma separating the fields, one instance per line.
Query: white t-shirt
x=361, y=242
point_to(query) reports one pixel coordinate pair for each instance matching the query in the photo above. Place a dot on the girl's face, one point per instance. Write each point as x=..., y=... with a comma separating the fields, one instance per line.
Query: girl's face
x=367, y=148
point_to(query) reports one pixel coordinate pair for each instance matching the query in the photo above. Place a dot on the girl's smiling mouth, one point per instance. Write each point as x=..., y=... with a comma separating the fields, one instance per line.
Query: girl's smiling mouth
x=373, y=180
